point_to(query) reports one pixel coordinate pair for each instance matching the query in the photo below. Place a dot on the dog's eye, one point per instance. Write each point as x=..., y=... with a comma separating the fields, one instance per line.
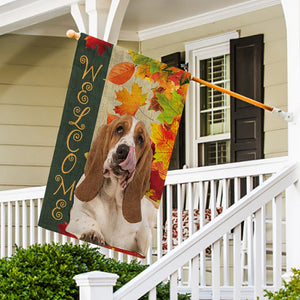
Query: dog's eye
x=120, y=130
x=139, y=140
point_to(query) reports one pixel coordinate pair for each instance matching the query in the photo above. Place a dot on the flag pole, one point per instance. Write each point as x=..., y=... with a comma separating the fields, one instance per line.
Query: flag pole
x=286, y=115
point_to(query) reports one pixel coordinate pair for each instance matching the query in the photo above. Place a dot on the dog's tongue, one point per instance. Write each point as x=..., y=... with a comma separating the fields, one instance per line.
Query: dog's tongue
x=130, y=162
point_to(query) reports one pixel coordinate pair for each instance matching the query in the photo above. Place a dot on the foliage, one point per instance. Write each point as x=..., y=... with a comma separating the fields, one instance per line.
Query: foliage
x=290, y=291
x=46, y=272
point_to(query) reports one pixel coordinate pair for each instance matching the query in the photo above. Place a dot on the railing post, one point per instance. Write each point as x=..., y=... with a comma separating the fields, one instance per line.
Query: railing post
x=96, y=285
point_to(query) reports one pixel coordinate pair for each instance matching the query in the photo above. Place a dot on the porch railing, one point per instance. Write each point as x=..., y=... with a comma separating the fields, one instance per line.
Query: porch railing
x=191, y=251
x=193, y=196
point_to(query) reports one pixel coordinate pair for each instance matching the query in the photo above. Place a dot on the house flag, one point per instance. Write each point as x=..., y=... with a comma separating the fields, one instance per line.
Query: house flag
x=119, y=124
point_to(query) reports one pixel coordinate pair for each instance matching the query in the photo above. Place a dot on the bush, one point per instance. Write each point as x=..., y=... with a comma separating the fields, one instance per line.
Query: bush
x=47, y=271
x=290, y=291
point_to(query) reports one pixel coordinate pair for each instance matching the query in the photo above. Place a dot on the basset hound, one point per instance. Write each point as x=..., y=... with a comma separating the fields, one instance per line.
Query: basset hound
x=109, y=204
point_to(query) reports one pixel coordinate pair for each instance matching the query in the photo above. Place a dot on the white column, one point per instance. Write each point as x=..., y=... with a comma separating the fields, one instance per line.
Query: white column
x=292, y=17
x=96, y=285
x=98, y=11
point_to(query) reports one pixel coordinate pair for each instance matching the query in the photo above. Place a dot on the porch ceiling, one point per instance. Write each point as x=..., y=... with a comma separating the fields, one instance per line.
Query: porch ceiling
x=143, y=19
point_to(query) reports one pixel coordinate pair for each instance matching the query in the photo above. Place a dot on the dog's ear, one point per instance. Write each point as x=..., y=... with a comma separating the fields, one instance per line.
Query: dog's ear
x=93, y=170
x=137, y=188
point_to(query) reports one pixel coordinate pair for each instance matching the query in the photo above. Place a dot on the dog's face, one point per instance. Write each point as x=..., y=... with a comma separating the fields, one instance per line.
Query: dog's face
x=122, y=149
x=128, y=141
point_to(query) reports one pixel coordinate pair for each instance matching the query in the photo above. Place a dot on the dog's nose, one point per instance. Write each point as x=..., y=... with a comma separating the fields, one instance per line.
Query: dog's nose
x=122, y=152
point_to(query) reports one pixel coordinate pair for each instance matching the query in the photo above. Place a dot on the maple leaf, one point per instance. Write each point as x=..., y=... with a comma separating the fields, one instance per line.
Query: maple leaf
x=185, y=78
x=154, y=105
x=94, y=43
x=139, y=59
x=143, y=71
x=130, y=102
x=121, y=73
x=183, y=90
x=110, y=117
x=176, y=76
x=164, y=137
x=171, y=108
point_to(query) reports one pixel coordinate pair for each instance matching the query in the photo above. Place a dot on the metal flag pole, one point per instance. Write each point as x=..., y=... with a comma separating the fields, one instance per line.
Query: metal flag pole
x=285, y=115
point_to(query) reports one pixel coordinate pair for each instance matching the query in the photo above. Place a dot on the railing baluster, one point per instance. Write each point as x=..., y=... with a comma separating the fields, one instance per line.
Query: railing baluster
x=202, y=219
x=2, y=224
x=159, y=231
x=17, y=223
x=190, y=208
x=24, y=224
x=237, y=189
x=194, y=281
x=258, y=287
x=277, y=240
x=215, y=261
x=169, y=217
x=237, y=267
x=263, y=240
x=48, y=239
x=250, y=249
x=179, y=228
x=152, y=294
x=9, y=229
x=212, y=200
x=225, y=205
x=39, y=230
x=32, y=223
x=173, y=286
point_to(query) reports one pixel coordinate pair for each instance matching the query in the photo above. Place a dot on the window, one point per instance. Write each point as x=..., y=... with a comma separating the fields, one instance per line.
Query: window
x=214, y=112
x=208, y=132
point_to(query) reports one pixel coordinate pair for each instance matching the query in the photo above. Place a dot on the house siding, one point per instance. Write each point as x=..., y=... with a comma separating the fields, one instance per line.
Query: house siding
x=35, y=72
x=34, y=75
x=271, y=23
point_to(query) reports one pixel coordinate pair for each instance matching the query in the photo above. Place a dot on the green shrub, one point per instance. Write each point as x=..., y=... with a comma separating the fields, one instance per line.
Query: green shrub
x=46, y=272
x=290, y=291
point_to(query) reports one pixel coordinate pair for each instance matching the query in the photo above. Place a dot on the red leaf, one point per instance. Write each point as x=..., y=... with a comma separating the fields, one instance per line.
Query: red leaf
x=92, y=42
x=111, y=117
x=176, y=77
x=121, y=73
x=62, y=230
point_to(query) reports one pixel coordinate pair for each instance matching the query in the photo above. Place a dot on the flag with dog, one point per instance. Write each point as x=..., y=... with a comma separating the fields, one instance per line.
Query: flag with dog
x=113, y=148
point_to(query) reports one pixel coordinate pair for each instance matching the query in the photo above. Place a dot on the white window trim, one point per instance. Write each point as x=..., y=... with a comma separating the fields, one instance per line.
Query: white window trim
x=195, y=50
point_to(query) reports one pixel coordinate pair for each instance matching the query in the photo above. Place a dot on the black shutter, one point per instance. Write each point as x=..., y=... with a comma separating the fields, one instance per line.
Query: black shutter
x=246, y=78
x=178, y=156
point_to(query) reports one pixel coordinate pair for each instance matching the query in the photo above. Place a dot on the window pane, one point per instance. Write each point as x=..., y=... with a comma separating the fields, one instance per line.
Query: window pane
x=214, y=105
x=213, y=153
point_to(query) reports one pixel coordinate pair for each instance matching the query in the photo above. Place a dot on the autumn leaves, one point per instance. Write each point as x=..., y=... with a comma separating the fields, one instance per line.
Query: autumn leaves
x=167, y=97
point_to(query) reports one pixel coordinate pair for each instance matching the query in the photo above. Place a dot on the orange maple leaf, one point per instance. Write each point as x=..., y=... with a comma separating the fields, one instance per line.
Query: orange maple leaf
x=110, y=117
x=143, y=71
x=164, y=137
x=130, y=102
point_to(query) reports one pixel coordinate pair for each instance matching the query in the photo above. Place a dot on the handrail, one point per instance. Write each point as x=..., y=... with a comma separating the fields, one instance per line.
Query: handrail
x=230, y=170
x=233, y=216
x=22, y=194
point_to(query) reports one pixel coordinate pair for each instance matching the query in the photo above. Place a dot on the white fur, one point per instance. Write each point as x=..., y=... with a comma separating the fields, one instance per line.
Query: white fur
x=102, y=216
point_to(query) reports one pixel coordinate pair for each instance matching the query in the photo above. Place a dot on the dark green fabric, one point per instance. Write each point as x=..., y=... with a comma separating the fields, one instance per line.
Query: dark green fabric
x=75, y=132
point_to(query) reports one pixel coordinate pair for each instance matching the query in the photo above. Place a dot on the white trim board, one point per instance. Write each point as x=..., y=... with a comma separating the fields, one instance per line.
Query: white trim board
x=206, y=18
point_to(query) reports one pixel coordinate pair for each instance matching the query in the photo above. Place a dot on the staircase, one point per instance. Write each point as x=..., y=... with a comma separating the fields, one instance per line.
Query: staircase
x=252, y=205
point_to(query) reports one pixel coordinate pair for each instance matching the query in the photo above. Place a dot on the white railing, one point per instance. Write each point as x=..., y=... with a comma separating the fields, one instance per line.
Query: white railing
x=250, y=206
x=187, y=192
